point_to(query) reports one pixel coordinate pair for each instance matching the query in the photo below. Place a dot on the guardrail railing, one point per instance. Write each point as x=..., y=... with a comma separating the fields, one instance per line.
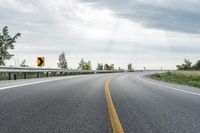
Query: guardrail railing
x=11, y=72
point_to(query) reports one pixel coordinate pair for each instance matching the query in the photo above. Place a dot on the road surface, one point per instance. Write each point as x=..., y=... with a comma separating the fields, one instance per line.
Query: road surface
x=78, y=104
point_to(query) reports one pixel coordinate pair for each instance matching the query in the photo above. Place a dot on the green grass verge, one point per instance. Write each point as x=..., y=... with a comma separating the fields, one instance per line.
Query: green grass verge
x=191, y=78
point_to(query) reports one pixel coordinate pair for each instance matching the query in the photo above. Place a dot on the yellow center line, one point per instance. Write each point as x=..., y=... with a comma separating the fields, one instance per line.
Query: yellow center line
x=116, y=125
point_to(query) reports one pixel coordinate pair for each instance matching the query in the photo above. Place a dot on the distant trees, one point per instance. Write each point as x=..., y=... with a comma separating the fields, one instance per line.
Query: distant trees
x=196, y=66
x=130, y=67
x=187, y=65
x=6, y=43
x=83, y=65
x=109, y=67
x=106, y=67
x=62, y=61
x=23, y=63
x=99, y=66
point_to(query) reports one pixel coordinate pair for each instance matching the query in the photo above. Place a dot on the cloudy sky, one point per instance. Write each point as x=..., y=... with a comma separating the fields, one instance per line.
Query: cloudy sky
x=151, y=34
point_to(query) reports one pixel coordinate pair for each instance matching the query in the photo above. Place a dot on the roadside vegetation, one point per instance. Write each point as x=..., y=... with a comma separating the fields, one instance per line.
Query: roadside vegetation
x=6, y=43
x=130, y=67
x=190, y=78
x=187, y=65
x=2, y=76
x=186, y=74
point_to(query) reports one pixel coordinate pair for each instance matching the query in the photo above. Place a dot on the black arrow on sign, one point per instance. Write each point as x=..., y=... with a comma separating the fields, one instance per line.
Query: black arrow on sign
x=41, y=61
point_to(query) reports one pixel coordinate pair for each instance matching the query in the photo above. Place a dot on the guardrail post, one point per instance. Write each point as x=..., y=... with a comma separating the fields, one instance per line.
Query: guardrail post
x=9, y=76
x=25, y=75
x=38, y=75
x=15, y=76
x=47, y=74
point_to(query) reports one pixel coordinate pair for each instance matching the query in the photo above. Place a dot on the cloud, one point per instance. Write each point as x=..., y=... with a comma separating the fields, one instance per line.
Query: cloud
x=112, y=31
x=170, y=15
x=21, y=6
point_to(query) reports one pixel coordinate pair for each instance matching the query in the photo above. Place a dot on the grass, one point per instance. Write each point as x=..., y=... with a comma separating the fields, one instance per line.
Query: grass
x=191, y=78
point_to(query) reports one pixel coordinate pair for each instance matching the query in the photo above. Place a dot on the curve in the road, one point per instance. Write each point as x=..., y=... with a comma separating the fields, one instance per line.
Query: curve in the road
x=173, y=88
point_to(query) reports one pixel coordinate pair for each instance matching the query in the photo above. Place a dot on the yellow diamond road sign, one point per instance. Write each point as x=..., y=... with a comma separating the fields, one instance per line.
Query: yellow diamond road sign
x=40, y=61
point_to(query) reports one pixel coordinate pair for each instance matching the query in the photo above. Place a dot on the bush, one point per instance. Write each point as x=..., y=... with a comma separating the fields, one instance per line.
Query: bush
x=194, y=83
x=168, y=73
x=157, y=75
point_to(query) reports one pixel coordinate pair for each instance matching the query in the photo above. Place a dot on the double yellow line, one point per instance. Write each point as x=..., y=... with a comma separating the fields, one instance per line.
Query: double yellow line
x=116, y=125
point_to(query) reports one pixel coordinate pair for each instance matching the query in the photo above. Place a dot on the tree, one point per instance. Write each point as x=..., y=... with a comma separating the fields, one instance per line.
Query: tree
x=109, y=67
x=99, y=66
x=6, y=43
x=196, y=66
x=88, y=66
x=83, y=65
x=106, y=67
x=62, y=61
x=186, y=66
x=23, y=63
x=130, y=67
x=180, y=67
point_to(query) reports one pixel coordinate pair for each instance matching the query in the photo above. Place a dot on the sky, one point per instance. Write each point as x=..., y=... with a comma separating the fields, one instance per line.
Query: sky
x=151, y=34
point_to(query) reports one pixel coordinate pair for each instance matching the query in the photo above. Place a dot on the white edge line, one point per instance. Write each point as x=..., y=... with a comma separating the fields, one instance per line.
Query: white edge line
x=173, y=88
x=19, y=85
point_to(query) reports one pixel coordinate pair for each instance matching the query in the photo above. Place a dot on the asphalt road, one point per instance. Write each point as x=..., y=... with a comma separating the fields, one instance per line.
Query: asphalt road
x=78, y=104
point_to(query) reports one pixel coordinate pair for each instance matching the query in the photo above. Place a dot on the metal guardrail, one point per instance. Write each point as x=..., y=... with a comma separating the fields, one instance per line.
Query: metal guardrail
x=26, y=69
x=30, y=69
x=12, y=71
